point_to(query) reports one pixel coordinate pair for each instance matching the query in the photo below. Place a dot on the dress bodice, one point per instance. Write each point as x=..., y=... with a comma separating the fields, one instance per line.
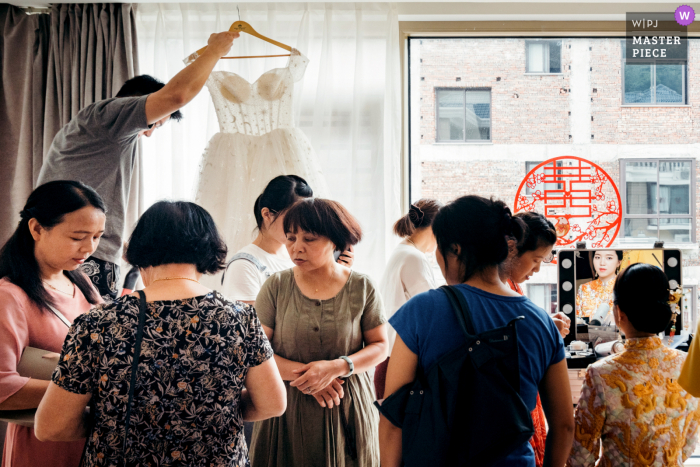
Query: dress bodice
x=255, y=108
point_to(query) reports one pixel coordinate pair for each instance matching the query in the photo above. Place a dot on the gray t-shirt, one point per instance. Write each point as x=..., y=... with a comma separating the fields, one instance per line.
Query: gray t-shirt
x=98, y=147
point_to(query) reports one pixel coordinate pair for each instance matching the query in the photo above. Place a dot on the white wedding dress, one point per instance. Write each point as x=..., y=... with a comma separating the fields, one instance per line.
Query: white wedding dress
x=257, y=141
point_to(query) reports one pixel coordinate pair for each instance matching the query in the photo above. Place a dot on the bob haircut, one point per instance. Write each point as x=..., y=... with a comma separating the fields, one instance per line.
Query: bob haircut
x=641, y=291
x=326, y=218
x=177, y=232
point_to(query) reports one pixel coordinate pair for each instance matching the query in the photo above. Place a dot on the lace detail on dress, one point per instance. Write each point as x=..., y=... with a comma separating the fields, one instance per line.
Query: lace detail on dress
x=257, y=141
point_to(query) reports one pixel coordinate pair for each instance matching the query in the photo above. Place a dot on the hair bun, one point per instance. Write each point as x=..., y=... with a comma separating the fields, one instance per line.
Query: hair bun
x=415, y=214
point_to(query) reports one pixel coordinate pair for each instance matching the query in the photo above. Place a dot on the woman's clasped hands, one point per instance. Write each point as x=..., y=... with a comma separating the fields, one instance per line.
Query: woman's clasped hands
x=321, y=380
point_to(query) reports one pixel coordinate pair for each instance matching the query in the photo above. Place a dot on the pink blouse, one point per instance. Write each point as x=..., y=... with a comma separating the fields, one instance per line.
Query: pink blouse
x=23, y=324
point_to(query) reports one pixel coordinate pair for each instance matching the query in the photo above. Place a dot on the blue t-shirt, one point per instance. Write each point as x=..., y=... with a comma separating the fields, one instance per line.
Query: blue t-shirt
x=429, y=328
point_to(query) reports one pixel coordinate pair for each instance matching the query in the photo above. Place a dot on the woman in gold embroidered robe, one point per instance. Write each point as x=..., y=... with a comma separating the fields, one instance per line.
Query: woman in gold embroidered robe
x=632, y=402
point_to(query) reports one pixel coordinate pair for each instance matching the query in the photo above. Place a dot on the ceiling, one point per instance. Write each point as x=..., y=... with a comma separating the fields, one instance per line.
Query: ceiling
x=493, y=10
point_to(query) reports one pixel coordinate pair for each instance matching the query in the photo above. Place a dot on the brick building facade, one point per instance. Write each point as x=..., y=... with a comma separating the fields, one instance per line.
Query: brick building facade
x=533, y=117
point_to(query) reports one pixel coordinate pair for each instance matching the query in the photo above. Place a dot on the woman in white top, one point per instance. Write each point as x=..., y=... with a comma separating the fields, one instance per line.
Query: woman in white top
x=408, y=271
x=250, y=267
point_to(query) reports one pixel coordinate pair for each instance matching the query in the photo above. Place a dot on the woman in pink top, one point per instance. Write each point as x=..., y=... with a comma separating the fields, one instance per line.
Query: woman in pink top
x=61, y=226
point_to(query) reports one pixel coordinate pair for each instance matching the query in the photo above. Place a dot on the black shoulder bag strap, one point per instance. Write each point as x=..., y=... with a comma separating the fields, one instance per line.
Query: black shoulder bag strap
x=461, y=308
x=134, y=368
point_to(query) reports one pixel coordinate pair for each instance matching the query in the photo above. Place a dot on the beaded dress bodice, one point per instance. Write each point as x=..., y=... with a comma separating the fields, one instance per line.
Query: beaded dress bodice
x=259, y=107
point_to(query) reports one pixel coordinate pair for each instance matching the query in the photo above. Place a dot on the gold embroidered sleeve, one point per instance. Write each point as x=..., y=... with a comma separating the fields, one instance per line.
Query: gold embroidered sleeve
x=691, y=438
x=590, y=418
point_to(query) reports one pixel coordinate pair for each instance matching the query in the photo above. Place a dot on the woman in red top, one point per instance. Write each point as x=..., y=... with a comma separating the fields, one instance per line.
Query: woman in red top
x=524, y=261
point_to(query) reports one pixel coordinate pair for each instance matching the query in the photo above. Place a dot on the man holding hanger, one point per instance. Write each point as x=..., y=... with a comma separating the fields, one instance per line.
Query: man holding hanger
x=98, y=147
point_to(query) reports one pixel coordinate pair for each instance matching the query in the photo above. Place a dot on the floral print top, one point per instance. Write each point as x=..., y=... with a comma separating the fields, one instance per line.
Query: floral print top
x=632, y=402
x=593, y=294
x=195, y=355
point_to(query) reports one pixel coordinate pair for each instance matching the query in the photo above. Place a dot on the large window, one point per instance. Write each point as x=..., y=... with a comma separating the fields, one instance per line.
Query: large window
x=657, y=196
x=654, y=83
x=543, y=57
x=463, y=114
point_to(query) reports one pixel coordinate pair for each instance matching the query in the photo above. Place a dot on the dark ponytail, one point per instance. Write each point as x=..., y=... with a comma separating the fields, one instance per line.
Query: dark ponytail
x=481, y=228
x=641, y=291
x=279, y=195
x=421, y=214
x=48, y=204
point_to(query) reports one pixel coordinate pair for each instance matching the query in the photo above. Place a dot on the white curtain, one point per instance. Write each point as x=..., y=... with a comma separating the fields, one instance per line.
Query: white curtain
x=348, y=103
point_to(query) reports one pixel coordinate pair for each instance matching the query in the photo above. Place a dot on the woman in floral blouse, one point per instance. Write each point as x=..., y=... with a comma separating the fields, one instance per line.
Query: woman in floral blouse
x=199, y=350
x=632, y=402
x=605, y=264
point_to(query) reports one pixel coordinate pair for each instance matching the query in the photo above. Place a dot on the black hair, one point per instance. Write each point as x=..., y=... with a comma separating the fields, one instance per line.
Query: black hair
x=143, y=85
x=540, y=232
x=279, y=195
x=420, y=215
x=324, y=217
x=48, y=204
x=642, y=291
x=481, y=228
x=591, y=255
x=177, y=232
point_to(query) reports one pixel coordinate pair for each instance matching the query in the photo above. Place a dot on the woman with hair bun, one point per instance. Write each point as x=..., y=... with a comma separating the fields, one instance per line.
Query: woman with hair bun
x=632, y=402
x=408, y=271
x=250, y=267
x=472, y=236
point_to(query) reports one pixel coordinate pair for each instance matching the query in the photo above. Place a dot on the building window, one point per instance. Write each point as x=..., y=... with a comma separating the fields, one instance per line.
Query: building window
x=657, y=195
x=653, y=82
x=547, y=186
x=544, y=296
x=543, y=56
x=463, y=115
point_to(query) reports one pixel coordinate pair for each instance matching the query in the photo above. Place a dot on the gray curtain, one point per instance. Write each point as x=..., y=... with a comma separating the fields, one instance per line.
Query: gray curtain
x=24, y=46
x=93, y=52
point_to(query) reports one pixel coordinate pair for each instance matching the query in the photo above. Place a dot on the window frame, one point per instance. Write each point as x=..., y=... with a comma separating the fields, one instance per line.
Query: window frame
x=658, y=216
x=540, y=41
x=550, y=290
x=653, y=63
x=464, y=106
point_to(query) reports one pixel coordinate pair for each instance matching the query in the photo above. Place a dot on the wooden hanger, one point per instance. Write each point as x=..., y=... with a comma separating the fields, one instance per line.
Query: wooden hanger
x=242, y=26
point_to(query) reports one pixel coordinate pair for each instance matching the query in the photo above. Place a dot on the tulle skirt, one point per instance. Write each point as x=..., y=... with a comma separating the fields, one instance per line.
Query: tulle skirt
x=234, y=171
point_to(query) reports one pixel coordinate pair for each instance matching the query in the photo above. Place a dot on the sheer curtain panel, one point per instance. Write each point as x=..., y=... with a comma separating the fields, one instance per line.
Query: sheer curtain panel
x=348, y=103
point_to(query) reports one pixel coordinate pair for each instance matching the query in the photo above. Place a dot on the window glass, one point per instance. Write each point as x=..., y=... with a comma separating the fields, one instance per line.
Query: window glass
x=641, y=187
x=478, y=116
x=669, y=83
x=642, y=229
x=536, y=57
x=674, y=187
x=555, y=57
x=450, y=115
x=638, y=83
x=675, y=230
x=544, y=57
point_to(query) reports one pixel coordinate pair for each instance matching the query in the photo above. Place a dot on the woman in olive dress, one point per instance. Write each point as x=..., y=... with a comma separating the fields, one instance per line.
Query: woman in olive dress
x=327, y=327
